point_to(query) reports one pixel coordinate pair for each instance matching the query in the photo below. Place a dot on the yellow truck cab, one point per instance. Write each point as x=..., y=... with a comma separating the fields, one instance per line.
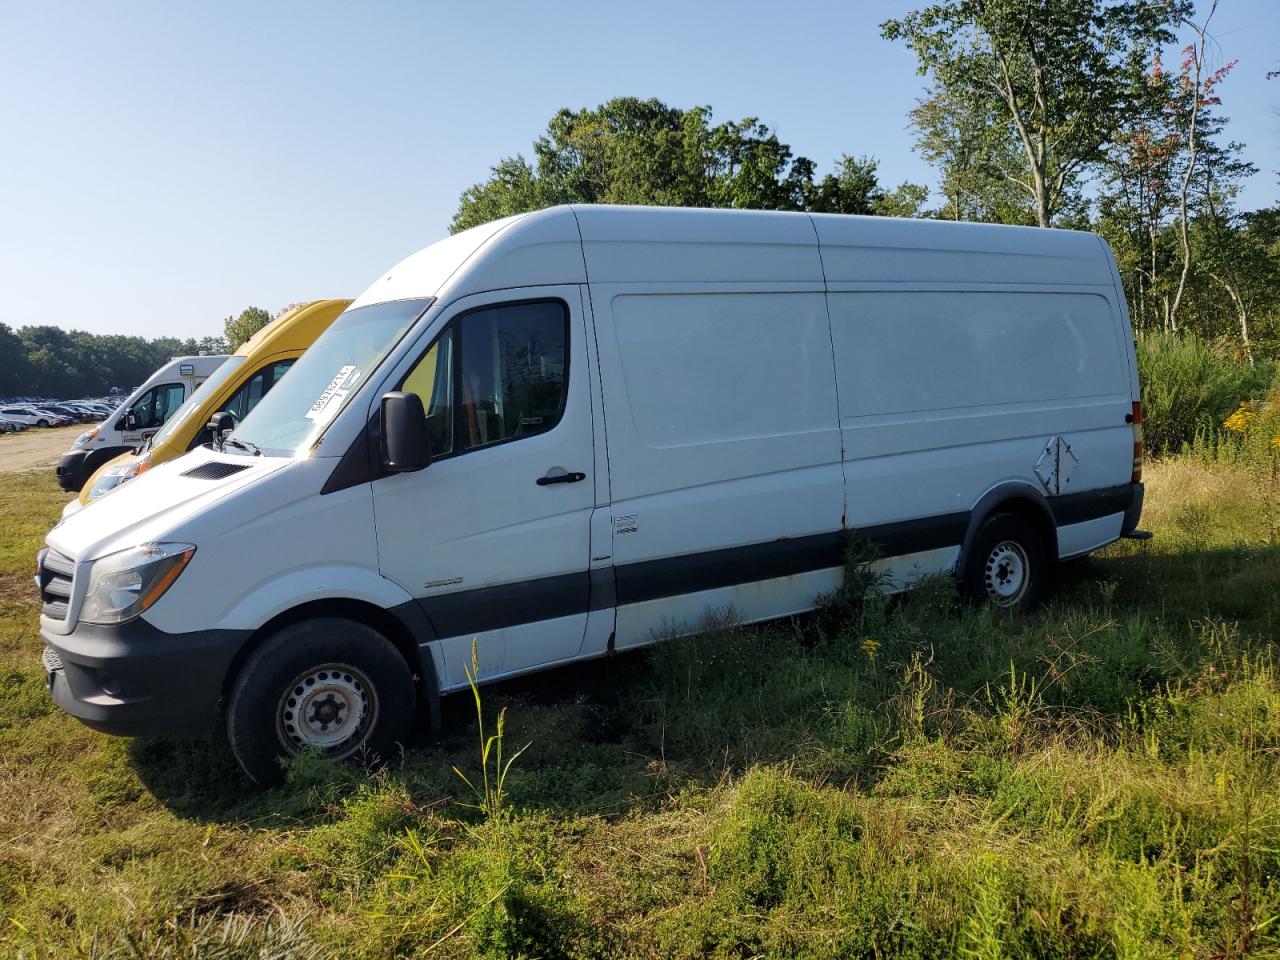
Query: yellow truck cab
x=235, y=387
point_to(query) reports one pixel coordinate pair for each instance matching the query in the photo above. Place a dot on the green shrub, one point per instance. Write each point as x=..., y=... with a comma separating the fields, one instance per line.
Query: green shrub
x=1191, y=386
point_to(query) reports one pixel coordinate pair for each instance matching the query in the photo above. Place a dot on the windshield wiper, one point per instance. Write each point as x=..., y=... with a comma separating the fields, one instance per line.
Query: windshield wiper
x=243, y=445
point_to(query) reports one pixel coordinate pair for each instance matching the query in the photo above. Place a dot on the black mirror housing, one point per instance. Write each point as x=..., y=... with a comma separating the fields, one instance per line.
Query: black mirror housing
x=406, y=446
x=220, y=423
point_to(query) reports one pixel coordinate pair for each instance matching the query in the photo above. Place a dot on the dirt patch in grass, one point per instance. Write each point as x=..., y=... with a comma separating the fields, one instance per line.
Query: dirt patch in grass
x=16, y=587
x=36, y=448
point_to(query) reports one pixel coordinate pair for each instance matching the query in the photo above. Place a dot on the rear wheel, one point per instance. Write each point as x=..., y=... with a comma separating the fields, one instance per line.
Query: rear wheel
x=328, y=684
x=1008, y=563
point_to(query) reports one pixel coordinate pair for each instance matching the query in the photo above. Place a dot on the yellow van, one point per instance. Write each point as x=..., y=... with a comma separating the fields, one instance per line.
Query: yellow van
x=236, y=387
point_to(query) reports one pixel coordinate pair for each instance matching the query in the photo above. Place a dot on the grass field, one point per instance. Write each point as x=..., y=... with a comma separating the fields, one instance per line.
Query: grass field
x=900, y=778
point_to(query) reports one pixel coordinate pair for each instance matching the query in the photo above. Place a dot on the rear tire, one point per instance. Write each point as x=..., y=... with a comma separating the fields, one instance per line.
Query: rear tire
x=329, y=684
x=1008, y=564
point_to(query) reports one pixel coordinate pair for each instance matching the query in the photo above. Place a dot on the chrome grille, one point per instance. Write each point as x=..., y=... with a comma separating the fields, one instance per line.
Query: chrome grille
x=54, y=577
x=51, y=660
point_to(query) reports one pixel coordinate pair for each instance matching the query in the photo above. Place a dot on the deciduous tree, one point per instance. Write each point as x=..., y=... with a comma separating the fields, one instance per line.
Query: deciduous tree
x=241, y=328
x=646, y=152
x=1064, y=74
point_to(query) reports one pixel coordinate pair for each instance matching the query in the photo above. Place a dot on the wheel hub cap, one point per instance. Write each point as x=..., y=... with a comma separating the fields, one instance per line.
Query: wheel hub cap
x=1007, y=574
x=330, y=708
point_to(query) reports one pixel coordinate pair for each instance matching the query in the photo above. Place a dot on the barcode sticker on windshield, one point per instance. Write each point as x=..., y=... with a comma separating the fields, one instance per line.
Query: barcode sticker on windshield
x=332, y=395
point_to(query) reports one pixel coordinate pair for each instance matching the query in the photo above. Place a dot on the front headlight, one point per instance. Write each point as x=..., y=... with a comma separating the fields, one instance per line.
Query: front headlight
x=123, y=585
x=85, y=437
x=120, y=473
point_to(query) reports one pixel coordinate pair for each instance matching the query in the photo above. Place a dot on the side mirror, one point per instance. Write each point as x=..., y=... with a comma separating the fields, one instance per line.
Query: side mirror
x=406, y=446
x=219, y=425
x=130, y=420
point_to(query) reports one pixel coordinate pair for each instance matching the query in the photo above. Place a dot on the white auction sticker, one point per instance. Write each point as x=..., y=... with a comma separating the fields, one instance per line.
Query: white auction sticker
x=331, y=397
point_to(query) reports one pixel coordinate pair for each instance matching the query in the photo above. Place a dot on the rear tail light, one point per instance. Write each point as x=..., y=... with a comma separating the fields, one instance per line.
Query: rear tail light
x=1138, y=450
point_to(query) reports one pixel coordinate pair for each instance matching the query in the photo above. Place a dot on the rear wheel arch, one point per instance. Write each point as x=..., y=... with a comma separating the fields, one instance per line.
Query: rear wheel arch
x=1021, y=500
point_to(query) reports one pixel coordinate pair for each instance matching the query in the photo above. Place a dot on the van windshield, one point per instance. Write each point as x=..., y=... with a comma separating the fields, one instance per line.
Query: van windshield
x=209, y=388
x=316, y=389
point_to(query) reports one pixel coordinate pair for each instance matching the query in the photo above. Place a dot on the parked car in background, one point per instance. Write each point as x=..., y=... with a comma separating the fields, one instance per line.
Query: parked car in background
x=64, y=412
x=94, y=411
x=234, y=389
x=33, y=416
x=145, y=411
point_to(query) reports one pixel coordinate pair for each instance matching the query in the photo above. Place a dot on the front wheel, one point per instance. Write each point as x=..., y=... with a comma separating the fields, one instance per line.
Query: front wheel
x=329, y=684
x=42, y=423
x=1008, y=563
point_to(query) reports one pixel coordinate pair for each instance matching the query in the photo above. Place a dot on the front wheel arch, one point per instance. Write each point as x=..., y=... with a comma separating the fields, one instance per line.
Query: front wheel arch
x=327, y=683
x=403, y=636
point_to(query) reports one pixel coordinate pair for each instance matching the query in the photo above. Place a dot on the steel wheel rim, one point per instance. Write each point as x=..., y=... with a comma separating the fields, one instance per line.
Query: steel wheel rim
x=330, y=708
x=1007, y=573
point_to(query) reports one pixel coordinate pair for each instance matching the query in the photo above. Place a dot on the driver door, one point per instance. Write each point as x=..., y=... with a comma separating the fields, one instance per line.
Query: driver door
x=493, y=537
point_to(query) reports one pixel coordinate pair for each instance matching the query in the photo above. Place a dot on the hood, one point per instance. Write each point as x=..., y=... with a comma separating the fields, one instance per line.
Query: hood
x=155, y=505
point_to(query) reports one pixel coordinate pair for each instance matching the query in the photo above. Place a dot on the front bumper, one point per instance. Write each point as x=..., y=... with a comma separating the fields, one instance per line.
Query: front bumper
x=134, y=680
x=77, y=466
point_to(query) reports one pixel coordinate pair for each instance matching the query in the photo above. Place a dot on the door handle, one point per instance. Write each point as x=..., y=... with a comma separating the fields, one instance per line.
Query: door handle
x=551, y=478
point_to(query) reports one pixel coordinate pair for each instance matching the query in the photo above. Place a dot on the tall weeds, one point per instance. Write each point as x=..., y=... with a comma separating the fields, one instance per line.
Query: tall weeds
x=491, y=791
x=1190, y=387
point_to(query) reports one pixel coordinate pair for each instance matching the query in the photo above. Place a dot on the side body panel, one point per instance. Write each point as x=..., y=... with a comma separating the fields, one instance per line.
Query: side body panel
x=961, y=362
x=719, y=399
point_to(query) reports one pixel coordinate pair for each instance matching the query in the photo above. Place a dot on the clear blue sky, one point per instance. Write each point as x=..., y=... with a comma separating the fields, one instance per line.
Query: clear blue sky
x=167, y=164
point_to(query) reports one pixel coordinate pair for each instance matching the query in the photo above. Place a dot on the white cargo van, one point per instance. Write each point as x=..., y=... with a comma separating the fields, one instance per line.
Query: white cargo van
x=134, y=421
x=575, y=431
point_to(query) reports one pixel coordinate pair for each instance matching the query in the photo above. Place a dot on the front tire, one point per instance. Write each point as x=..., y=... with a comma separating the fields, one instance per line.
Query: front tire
x=327, y=684
x=1008, y=564
x=42, y=423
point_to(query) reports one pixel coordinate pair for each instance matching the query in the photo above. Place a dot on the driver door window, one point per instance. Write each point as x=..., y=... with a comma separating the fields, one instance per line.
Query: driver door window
x=255, y=388
x=512, y=377
x=507, y=367
x=156, y=406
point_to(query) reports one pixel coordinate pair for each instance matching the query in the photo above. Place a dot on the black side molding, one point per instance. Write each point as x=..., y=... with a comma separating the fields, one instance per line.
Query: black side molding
x=1092, y=504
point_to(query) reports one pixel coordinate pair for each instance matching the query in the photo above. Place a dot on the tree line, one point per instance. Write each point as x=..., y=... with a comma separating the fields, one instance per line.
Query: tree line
x=1054, y=113
x=47, y=361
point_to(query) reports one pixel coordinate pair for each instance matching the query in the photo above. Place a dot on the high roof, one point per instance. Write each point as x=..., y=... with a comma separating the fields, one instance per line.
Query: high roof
x=627, y=244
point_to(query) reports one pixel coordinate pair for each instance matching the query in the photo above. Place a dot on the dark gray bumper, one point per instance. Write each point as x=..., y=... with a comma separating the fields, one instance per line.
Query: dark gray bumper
x=1133, y=514
x=77, y=466
x=136, y=681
